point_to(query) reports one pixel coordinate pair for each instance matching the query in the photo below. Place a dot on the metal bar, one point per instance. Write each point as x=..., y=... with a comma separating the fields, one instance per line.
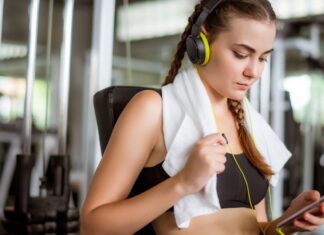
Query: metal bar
x=1, y=20
x=47, y=78
x=255, y=95
x=279, y=63
x=8, y=172
x=315, y=39
x=265, y=91
x=65, y=75
x=308, y=160
x=32, y=46
x=101, y=63
x=128, y=46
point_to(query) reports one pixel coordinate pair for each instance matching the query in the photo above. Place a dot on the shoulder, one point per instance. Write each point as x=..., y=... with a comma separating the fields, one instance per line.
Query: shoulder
x=147, y=102
x=147, y=98
x=143, y=112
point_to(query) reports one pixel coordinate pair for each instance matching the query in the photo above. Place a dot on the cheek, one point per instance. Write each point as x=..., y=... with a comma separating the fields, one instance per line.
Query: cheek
x=233, y=65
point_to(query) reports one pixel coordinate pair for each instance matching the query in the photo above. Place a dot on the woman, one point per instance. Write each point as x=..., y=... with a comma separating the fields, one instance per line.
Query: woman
x=240, y=35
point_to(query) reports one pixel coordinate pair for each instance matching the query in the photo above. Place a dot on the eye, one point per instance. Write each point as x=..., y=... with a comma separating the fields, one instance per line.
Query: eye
x=263, y=60
x=239, y=55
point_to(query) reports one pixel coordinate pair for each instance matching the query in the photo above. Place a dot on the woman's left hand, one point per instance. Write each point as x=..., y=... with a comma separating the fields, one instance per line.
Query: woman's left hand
x=309, y=222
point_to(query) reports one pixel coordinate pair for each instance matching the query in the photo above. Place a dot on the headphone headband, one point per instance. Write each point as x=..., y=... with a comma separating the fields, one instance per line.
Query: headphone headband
x=208, y=8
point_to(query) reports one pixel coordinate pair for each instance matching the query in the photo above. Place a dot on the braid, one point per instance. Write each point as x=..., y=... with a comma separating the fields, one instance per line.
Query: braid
x=252, y=153
x=181, y=47
x=237, y=110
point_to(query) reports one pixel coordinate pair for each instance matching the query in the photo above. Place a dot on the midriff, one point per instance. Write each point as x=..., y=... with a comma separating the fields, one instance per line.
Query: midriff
x=232, y=221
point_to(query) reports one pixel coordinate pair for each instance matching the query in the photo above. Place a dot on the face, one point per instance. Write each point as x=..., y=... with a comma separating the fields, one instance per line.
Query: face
x=238, y=57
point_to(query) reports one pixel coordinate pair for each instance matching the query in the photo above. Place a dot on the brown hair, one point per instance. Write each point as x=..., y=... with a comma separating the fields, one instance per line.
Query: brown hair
x=217, y=22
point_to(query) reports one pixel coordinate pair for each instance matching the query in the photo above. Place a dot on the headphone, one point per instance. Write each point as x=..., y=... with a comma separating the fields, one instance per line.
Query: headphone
x=196, y=43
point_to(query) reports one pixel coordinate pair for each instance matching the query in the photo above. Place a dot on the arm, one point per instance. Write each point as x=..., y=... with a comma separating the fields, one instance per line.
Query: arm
x=106, y=209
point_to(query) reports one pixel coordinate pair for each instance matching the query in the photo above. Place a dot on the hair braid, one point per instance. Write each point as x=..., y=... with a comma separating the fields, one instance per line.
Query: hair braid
x=181, y=47
x=236, y=108
x=252, y=153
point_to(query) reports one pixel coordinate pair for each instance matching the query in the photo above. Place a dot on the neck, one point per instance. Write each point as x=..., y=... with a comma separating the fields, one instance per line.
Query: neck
x=218, y=101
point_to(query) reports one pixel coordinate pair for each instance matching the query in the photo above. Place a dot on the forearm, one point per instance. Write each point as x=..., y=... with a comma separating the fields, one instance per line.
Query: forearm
x=128, y=216
x=270, y=228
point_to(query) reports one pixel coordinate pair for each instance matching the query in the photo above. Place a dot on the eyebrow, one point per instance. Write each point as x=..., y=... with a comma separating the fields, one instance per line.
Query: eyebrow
x=251, y=49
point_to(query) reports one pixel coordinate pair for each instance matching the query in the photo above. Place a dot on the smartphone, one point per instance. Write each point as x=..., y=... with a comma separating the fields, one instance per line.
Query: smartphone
x=313, y=208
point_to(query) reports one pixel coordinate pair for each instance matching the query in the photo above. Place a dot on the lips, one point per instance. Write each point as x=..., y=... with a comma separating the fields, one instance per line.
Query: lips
x=243, y=86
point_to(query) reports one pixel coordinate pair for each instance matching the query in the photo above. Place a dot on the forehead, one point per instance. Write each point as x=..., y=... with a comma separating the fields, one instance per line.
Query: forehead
x=258, y=34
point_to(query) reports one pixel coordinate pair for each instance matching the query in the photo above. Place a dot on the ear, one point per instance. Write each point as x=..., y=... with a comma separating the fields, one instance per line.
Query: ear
x=204, y=31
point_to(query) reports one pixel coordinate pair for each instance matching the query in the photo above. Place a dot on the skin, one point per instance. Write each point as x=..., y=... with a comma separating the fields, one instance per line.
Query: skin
x=137, y=142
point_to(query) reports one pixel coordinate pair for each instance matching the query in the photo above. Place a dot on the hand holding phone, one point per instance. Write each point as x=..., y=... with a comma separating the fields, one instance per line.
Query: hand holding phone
x=313, y=208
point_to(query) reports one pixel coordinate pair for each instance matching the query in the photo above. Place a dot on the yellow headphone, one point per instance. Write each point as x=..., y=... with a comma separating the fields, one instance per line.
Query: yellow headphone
x=197, y=45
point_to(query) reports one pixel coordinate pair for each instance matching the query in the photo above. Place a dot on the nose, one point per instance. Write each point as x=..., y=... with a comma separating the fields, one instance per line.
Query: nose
x=252, y=69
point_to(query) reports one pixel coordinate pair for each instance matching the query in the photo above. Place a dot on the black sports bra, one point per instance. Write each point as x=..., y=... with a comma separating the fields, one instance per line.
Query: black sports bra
x=230, y=187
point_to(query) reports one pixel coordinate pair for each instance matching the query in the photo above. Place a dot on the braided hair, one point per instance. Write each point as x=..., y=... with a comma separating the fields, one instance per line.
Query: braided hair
x=216, y=22
x=181, y=47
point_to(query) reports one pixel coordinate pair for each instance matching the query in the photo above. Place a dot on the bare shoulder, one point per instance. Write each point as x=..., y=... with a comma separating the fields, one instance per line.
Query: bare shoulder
x=144, y=108
x=142, y=116
x=147, y=100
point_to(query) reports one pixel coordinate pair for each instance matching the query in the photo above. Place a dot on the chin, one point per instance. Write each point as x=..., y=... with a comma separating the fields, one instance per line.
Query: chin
x=237, y=96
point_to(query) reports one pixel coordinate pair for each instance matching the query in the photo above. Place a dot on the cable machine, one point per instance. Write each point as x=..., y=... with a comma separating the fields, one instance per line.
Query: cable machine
x=51, y=212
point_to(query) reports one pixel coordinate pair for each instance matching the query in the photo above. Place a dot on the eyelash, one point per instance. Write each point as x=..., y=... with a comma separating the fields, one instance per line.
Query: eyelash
x=240, y=56
x=263, y=60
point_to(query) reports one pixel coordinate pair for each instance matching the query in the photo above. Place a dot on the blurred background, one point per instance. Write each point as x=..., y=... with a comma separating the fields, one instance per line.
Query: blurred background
x=56, y=54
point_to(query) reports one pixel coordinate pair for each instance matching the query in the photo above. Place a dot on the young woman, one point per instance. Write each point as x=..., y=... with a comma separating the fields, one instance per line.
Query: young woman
x=188, y=161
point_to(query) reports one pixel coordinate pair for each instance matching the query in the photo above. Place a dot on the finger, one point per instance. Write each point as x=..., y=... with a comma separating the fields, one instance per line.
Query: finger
x=216, y=150
x=312, y=196
x=322, y=208
x=313, y=220
x=219, y=168
x=304, y=225
x=217, y=156
x=221, y=159
x=213, y=139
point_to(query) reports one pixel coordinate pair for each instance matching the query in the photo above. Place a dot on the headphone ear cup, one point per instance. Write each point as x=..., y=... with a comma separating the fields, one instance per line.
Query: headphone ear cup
x=198, y=49
x=206, y=49
x=192, y=49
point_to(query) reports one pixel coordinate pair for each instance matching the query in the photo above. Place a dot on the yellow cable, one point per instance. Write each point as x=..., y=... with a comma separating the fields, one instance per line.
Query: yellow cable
x=241, y=171
x=279, y=231
x=270, y=200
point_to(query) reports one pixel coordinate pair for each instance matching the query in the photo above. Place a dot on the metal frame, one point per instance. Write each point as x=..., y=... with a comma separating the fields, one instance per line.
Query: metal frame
x=100, y=70
x=30, y=77
x=1, y=20
x=277, y=107
x=65, y=68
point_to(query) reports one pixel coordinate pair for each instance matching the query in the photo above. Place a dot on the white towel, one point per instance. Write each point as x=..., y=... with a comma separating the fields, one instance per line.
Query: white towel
x=187, y=117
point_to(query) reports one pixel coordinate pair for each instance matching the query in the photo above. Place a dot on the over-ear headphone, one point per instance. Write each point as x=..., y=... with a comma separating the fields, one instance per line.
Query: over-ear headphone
x=196, y=43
